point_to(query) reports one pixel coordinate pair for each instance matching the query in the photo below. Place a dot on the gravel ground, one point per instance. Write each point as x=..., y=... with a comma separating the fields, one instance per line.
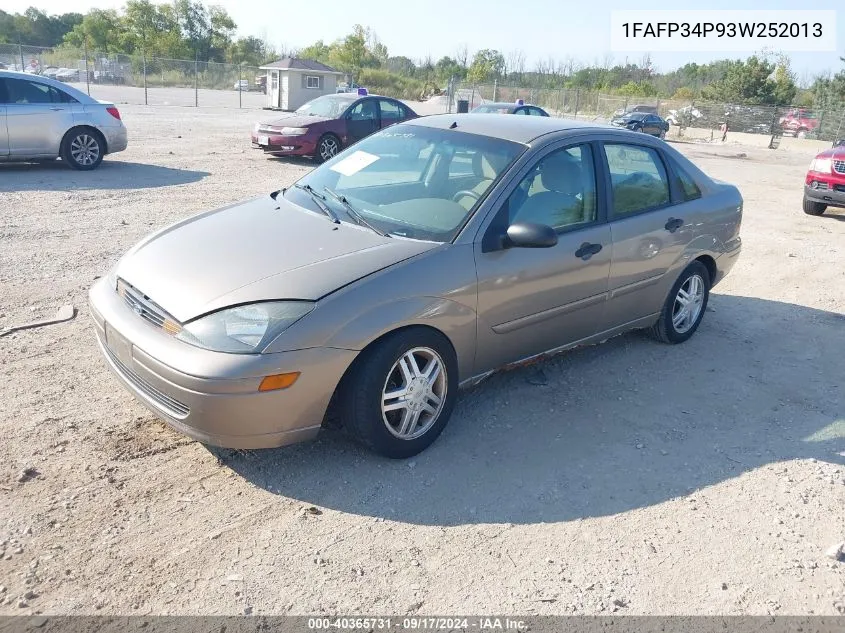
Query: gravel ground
x=634, y=477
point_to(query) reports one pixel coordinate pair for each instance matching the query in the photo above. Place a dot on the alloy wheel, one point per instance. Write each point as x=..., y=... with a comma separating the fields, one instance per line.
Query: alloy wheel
x=85, y=149
x=688, y=304
x=328, y=148
x=414, y=393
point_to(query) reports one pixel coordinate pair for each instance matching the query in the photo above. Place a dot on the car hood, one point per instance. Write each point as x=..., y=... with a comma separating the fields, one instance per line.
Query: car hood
x=834, y=152
x=294, y=120
x=259, y=250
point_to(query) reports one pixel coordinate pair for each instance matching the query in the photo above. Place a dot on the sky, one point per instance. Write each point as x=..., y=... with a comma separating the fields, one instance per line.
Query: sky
x=540, y=28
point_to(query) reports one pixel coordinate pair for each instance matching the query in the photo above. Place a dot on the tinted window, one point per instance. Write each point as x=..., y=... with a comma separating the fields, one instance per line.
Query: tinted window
x=560, y=191
x=638, y=177
x=22, y=91
x=536, y=112
x=521, y=111
x=390, y=110
x=689, y=190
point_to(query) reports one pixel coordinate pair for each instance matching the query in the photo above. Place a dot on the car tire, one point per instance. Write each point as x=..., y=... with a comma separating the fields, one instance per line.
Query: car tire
x=83, y=148
x=801, y=133
x=671, y=327
x=811, y=207
x=324, y=148
x=662, y=134
x=382, y=423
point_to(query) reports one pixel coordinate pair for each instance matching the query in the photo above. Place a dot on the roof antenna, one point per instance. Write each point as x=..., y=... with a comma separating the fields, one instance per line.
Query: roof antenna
x=454, y=125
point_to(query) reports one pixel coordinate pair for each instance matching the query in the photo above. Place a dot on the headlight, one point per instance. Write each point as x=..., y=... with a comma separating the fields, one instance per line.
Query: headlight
x=294, y=131
x=821, y=165
x=255, y=127
x=245, y=329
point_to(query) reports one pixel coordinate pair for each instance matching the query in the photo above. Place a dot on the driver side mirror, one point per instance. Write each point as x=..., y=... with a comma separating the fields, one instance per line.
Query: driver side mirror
x=530, y=235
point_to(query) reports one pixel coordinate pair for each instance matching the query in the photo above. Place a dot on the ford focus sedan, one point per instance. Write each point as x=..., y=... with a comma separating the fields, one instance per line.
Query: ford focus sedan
x=323, y=127
x=417, y=262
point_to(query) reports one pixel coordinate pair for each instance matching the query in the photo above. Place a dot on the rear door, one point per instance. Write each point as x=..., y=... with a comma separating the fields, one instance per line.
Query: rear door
x=37, y=117
x=650, y=226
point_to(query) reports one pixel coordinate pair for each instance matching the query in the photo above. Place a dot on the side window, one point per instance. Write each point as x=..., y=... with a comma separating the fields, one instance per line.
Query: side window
x=364, y=111
x=390, y=110
x=537, y=112
x=22, y=91
x=521, y=111
x=638, y=177
x=560, y=191
x=60, y=96
x=312, y=81
x=689, y=190
x=3, y=96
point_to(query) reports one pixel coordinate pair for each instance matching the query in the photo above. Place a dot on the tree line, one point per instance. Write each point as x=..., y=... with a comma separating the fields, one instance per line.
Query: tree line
x=189, y=29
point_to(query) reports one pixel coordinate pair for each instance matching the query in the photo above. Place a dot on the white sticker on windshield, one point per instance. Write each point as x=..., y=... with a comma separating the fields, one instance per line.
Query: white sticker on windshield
x=354, y=163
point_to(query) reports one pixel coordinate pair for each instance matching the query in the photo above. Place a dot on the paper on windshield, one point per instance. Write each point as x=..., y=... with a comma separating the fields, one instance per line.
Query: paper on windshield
x=354, y=163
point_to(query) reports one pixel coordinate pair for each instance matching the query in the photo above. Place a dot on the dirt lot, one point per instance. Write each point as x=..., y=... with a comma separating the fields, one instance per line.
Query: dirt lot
x=631, y=476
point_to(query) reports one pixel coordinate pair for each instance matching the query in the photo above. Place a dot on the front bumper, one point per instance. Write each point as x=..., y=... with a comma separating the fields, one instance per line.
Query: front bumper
x=209, y=396
x=830, y=191
x=285, y=145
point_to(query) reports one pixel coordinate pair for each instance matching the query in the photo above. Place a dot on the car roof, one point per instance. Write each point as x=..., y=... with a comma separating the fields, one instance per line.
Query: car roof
x=77, y=94
x=520, y=129
x=506, y=104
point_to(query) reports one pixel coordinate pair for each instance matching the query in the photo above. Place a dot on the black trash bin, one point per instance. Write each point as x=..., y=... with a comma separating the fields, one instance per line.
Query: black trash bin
x=463, y=106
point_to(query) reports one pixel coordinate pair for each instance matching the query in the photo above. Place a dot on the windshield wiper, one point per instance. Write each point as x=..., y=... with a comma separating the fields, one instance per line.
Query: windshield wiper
x=360, y=219
x=319, y=201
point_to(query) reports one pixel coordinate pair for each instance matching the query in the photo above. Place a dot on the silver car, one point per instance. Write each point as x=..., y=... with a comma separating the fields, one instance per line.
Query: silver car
x=44, y=119
x=417, y=261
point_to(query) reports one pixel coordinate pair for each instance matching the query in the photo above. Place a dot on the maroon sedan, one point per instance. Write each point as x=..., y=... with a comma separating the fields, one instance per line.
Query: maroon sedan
x=324, y=126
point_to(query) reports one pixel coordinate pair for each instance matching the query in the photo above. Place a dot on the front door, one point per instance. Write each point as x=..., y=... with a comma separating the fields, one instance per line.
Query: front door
x=531, y=300
x=37, y=117
x=361, y=120
x=4, y=134
x=650, y=233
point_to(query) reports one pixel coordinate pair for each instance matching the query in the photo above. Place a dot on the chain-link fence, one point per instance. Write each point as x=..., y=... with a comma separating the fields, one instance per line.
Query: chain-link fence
x=142, y=80
x=693, y=119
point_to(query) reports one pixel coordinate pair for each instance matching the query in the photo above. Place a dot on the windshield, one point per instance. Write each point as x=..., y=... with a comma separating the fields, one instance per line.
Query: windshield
x=411, y=181
x=490, y=109
x=329, y=106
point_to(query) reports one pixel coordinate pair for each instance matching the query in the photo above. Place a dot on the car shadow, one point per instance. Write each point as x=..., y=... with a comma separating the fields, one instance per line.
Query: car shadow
x=111, y=174
x=599, y=430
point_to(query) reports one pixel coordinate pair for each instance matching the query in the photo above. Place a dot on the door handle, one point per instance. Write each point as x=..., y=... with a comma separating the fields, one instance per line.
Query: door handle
x=587, y=250
x=673, y=224
x=55, y=109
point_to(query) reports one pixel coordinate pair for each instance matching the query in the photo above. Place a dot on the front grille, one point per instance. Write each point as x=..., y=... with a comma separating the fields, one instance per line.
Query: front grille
x=839, y=166
x=165, y=403
x=145, y=307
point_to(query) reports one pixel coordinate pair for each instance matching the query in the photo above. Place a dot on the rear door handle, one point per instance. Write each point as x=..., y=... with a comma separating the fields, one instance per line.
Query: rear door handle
x=587, y=250
x=673, y=224
x=55, y=109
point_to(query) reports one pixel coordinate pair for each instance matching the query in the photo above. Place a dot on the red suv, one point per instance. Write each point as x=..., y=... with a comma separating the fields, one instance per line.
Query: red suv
x=824, y=185
x=799, y=123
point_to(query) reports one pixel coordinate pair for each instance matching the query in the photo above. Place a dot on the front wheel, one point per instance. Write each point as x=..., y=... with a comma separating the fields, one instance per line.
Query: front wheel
x=400, y=394
x=327, y=147
x=811, y=207
x=684, y=307
x=83, y=149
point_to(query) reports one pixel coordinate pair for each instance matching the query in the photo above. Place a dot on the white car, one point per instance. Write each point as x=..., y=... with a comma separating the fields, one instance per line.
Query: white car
x=242, y=85
x=685, y=115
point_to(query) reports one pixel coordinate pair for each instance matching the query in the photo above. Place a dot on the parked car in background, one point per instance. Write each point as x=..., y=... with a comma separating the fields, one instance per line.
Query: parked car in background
x=638, y=107
x=345, y=87
x=799, y=122
x=510, y=108
x=68, y=75
x=45, y=119
x=643, y=122
x=417, y=261
x=242, y=85
x=327, y=124
x=824, y=184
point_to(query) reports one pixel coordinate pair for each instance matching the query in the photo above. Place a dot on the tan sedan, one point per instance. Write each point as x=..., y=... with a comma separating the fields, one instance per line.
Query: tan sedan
x=417, y=261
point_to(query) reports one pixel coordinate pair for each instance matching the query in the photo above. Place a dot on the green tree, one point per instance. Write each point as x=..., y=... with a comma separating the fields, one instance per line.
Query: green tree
x=745, y=82
x=100, y=30
x=487, y=64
